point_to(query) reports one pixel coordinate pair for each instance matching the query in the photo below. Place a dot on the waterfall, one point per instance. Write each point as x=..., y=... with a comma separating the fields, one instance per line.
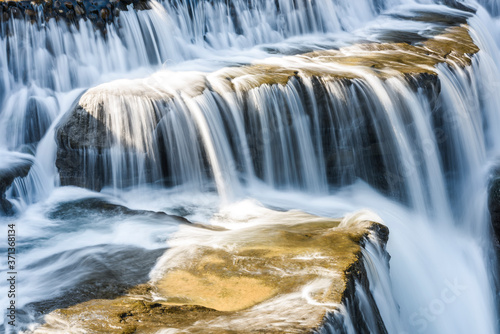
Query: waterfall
x=190, y=106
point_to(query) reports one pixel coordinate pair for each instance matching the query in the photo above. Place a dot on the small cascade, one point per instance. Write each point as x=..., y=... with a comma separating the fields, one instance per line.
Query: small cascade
x=191, y=105
x=306, y=134
x=41, y=61
x=370, y=306
x=31, y=111
x=60, y=57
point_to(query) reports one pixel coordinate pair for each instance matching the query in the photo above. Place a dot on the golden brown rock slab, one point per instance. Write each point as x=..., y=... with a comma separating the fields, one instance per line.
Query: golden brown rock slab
x=277, y=272
x=453, y=46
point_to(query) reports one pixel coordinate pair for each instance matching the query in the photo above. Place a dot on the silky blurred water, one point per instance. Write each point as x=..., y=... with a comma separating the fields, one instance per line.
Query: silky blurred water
x=75, y=241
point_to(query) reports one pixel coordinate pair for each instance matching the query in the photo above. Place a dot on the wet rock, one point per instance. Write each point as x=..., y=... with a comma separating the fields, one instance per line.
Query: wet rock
x=106, y=270
x=254, y=279
x=36, y=120
x=81, y=136
x=436, y=15
x=116, y=270
x=99, y=23
x=494, y=204
x=105, y=13
x=70, y=15
x=12, y=166
x=79, y=10
x=30, y=12
x=98, y=12
x=83, y=210
x=92, y=16
x=459, y=5
x=83, y=139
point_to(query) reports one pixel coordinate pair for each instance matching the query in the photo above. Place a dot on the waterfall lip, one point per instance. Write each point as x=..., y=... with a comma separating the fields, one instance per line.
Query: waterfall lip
x=13, y=165
x=163, y=84
x=382, y=59
x=12, y=160
x=119, y=123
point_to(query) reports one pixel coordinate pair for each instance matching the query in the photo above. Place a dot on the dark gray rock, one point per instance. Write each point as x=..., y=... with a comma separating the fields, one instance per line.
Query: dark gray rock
x=81, y=139
x=358, y=283
x=37, y=121
x=84, y=150
x=12, y=166
x=494, y=204
x=99, y=12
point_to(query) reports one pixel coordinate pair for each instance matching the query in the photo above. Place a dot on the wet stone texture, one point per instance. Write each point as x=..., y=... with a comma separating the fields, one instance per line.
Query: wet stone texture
x=283, y=276
x=99, y=12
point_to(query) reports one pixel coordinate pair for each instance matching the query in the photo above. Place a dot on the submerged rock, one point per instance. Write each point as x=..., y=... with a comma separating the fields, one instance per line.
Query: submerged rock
x=286, y=274
x=83, y=210
x=12, y=166
x=103, y=270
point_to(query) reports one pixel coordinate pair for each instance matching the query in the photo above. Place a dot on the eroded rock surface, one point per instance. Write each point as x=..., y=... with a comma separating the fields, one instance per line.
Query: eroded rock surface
x=262, y=277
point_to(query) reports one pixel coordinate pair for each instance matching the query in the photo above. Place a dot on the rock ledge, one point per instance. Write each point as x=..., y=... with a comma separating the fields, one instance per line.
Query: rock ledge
x=283, y=277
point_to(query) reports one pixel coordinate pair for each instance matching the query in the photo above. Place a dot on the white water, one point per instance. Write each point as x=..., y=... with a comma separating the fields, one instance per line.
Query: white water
x=439, y=244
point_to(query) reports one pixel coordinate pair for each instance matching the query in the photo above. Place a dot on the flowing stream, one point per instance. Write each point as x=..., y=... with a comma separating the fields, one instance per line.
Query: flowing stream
x=184, y=143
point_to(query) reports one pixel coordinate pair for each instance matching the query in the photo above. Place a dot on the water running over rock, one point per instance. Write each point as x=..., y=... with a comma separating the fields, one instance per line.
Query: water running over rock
x=189, y=107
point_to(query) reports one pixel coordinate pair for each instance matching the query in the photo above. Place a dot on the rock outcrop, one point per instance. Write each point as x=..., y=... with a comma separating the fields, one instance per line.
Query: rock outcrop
x=12, y=166
x=131, y=114
x=284, y=274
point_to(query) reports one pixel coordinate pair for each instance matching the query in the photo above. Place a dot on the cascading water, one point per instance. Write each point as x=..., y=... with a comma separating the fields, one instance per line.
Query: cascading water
x=184, y=142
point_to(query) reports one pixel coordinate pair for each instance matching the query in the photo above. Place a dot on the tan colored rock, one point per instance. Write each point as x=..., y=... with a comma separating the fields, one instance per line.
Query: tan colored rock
x=453, y=46
x=281, y=272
